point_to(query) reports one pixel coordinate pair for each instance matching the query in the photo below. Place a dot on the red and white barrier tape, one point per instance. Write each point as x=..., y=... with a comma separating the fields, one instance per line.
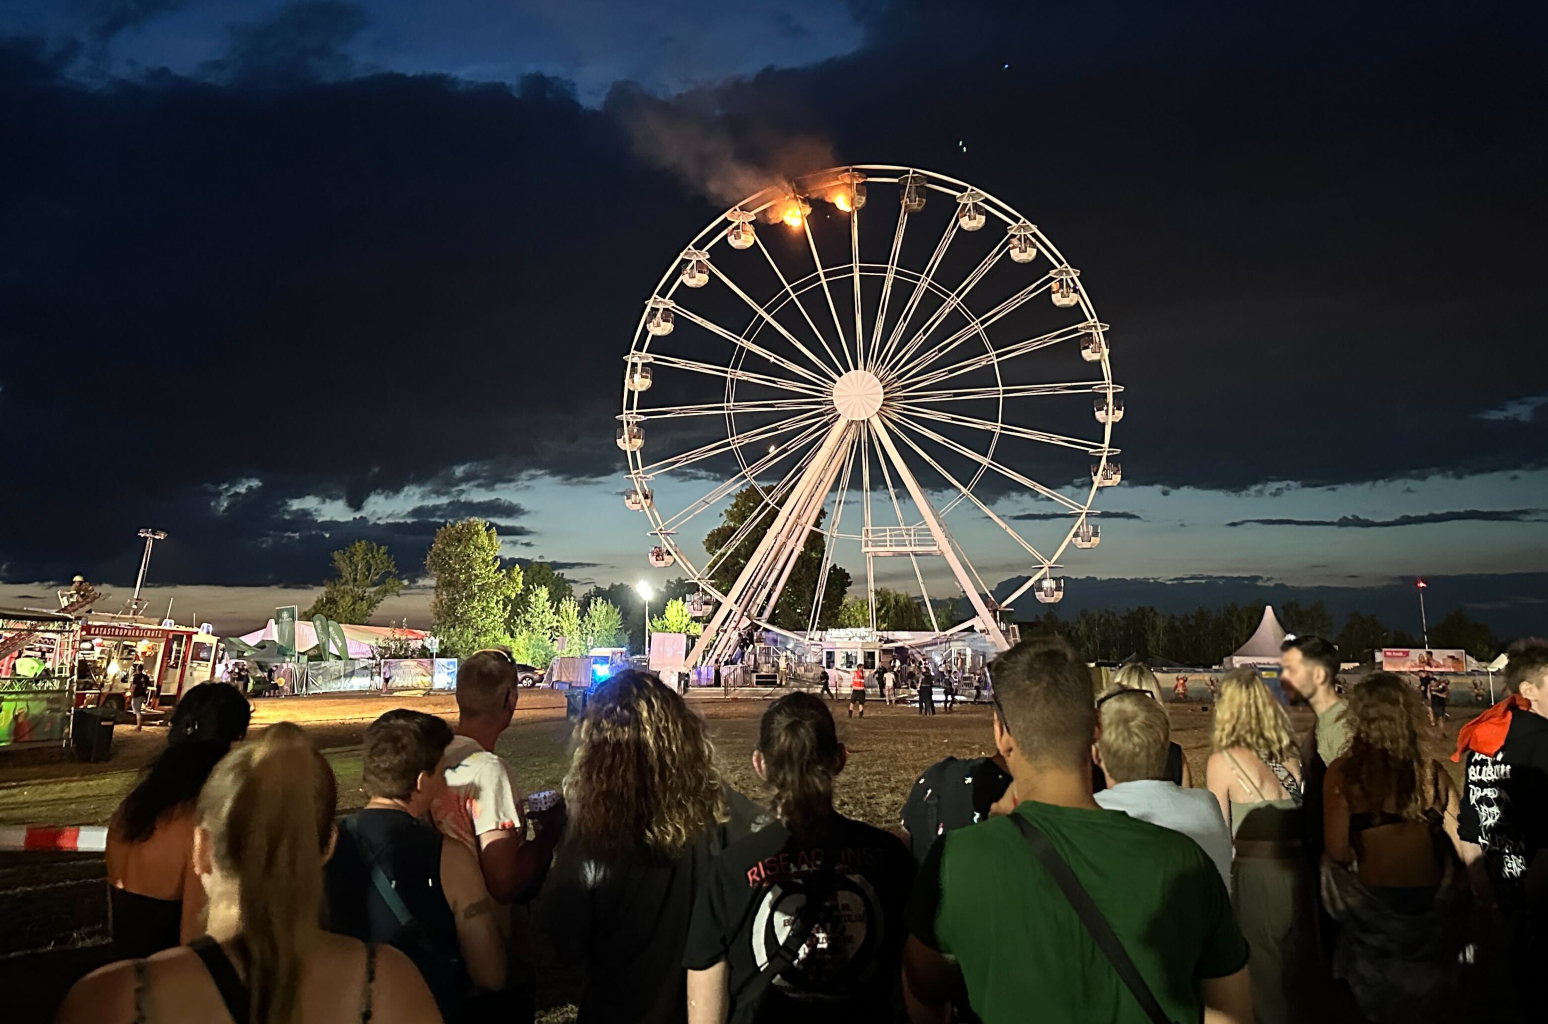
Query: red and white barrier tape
x=68, y=839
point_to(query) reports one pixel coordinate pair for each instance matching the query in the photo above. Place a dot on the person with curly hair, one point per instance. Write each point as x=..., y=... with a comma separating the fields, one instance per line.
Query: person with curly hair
x=1391, y=869
x=647, y=812
x=1255, y=774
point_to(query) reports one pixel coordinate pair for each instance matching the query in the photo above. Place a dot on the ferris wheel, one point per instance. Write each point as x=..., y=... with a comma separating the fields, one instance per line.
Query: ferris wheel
x=859, y=371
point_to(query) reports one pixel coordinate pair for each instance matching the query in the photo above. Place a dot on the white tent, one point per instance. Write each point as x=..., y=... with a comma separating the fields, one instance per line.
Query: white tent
x=306, y=639
x=1262, y=648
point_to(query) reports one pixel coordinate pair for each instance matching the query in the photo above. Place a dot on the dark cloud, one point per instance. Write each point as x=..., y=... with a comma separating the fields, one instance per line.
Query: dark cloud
x=1042, y=517
x=493, y=509
x=338, y=284
x=305, y=41
x=105, y=19
x=1473, y=515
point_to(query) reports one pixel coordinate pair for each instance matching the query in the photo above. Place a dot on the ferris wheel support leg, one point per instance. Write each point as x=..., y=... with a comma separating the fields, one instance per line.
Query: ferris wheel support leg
x=815, y=480
x=948, y=551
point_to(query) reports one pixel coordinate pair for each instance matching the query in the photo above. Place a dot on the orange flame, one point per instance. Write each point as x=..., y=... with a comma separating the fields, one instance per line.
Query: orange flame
x=842, y=200
x=791, y=214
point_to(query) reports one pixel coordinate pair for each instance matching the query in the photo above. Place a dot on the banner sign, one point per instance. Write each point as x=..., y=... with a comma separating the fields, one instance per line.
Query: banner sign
x=285, y=630
x=34, y=717
x=408, y=674
x=445, y=674
x=668, y=652
x=1419, y=659
x=340, y=642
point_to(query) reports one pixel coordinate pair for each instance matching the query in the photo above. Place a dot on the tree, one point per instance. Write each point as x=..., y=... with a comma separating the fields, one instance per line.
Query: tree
x=853, y=614
x=536, y=626
x=399, y=644
x=627, y=604
x=542, y=574
x=898, y=610
x=567, y=627
x=602, y=625
x=1361, y=636
x=674, y=618
x=1461, y=630
x=794, y=607
x=473, y=593
x=365, y=575
x=1309, y=618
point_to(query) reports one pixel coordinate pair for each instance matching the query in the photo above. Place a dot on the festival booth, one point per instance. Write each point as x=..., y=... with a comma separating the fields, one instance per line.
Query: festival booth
x=308, y=669
x=37, y=654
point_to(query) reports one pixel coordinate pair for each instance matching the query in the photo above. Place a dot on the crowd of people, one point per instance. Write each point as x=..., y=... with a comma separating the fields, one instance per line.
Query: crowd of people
x=1073, y=875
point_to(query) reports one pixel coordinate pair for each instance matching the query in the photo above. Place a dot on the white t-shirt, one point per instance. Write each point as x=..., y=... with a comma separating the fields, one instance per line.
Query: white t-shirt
x=481, y=795
x=1193, y=812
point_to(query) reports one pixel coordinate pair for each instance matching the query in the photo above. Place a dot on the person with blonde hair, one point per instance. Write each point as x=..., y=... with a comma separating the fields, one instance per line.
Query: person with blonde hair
x=263, y=829
x=1131, y=749
x=1392, y=866
x=1256, y=776
x=1137, y=676
x=648, y=812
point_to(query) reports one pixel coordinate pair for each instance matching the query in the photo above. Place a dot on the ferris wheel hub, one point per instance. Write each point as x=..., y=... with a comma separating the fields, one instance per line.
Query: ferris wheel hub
x=857, y=395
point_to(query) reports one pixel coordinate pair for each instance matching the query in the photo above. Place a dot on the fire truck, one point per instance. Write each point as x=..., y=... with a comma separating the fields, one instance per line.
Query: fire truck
x=175, y=657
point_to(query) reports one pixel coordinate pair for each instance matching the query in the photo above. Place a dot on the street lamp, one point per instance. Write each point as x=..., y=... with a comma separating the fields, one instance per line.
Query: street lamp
x=644, y=588
x=1423, y=622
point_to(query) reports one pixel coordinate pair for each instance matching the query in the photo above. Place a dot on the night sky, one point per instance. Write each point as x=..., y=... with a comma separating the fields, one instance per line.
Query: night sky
x=276, y=276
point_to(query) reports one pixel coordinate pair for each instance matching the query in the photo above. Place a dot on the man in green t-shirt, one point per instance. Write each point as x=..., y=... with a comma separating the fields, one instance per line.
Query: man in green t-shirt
x=986, y=917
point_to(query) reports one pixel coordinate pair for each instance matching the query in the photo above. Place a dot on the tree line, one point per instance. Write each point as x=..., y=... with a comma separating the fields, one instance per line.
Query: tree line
x=483, y=600
x=1206, y=636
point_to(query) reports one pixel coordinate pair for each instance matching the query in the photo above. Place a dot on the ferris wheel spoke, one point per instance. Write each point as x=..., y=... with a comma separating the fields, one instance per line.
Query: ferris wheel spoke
x=822, y=275
x=854, y=258
x=838, y=370
x=724, y=445
x=720, y=408
x=897, y=510
x=736, y=373
x=751, y=346
x=756, y=521
x=978, y=325
x=989, y=358
x=985, y=509
x=925, y=276
x=887, y=279
x=1007, y=429
x=769, y=319
x=865, y=520
x=983, y=460
x=736, y=482
x=1078, y=387
x=954, y=301
x=830, y=539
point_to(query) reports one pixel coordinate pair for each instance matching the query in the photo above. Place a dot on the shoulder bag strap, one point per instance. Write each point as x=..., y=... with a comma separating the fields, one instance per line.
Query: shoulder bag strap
x=232, y=992
x=1091, y=916
x=389, y=893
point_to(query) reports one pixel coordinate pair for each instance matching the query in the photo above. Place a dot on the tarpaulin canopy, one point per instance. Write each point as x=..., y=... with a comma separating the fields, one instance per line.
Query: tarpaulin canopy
x=306, y=639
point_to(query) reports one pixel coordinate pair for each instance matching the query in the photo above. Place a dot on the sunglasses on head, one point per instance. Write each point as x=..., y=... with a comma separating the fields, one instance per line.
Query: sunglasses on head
x=1119, y=693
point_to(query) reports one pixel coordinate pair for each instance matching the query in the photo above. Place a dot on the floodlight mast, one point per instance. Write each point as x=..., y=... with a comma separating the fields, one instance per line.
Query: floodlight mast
x=135, y=605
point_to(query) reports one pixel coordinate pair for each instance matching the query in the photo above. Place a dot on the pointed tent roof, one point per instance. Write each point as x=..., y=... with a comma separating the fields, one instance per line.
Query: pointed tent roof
x=1265, y=640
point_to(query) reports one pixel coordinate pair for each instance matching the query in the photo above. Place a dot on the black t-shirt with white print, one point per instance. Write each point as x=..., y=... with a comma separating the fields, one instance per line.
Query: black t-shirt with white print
x=847, y=970
x=1505, y=803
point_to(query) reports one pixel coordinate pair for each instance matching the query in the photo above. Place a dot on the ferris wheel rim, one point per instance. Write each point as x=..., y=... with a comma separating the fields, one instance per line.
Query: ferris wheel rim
x=716, y=232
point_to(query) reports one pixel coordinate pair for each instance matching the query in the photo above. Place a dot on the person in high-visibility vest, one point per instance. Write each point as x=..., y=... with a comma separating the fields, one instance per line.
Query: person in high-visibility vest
x=857, y=692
